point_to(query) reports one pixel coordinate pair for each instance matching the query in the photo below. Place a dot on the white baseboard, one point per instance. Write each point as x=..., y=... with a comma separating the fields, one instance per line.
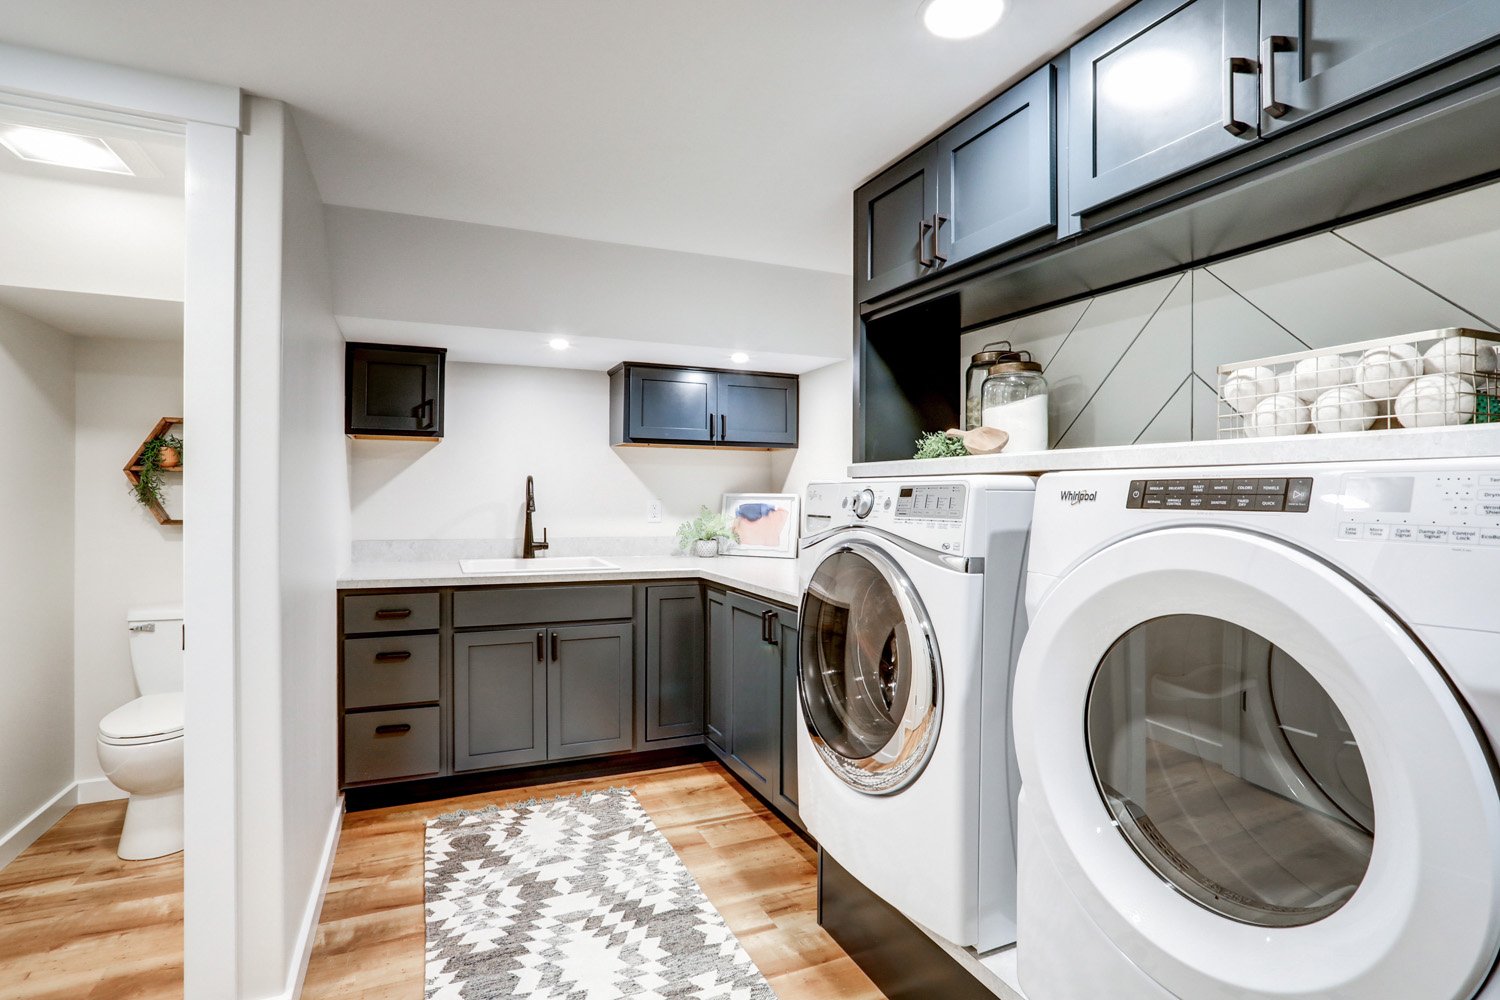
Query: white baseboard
x=26, y=832
x=307, y=931
x=92, y=790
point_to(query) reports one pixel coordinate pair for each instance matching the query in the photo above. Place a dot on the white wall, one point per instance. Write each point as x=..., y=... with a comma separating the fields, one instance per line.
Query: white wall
x=36, y=588
x=294, y=540
x=122, y=558
x=825, y=409
x=504, y=423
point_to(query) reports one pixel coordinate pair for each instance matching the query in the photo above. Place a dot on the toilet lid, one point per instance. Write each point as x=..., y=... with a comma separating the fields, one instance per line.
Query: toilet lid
x=152, y=715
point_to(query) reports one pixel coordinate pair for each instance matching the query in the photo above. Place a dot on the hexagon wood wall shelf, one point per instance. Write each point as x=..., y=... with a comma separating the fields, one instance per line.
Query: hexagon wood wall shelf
x=133, y=467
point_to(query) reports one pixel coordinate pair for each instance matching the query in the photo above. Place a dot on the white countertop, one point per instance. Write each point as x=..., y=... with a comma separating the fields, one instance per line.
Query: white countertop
x=771, y=579
x=1365, y=446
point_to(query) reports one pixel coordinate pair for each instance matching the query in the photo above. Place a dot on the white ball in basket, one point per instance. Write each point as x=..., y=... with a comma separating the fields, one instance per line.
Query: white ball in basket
x=1436, y=401
x=1460, y=356
x=1278, y=415
x=1382, y=372
x=1245, y=387
x=1312, y=376
x=1343, y=409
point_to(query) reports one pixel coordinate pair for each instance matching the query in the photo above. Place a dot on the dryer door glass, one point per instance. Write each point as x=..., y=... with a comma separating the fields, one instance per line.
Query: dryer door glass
x=869, y=676
x=1230, y=771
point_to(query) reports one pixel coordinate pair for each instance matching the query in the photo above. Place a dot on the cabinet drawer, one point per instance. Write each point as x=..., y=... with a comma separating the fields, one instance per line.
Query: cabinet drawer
x=390, y=670
x=540, y=605
x=383, y=745
x=390, y=613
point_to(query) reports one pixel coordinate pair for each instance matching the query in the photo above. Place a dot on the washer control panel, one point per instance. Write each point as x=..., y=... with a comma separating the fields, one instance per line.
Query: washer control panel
x=933, y=514
x=1453, y=509
x=1291, y=495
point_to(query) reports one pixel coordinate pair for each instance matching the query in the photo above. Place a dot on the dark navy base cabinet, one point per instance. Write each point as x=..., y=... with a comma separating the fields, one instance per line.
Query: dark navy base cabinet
x=658, y=405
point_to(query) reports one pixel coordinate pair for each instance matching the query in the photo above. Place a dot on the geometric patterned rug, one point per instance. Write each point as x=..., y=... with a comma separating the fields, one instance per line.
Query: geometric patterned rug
x=579, y=898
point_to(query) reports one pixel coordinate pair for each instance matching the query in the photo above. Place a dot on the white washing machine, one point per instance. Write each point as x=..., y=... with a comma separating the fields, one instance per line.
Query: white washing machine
x=910, y=621
x=1255, y=719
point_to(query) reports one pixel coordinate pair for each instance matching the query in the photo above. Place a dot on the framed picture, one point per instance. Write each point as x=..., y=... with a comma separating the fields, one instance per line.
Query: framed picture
x=765, y=523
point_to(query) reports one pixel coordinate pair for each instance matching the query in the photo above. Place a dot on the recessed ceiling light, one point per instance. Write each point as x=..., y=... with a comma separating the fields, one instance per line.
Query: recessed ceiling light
x=961, y=18
x=739, y=357
x=62, y=149
x=559, y=344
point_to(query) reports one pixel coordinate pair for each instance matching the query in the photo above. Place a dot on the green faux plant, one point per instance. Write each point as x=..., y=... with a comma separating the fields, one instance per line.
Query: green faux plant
x=939, y=445
x=149, y=487
x=706, y=527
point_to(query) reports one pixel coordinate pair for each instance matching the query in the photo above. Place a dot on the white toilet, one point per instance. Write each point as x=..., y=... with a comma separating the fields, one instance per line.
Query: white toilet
x=140, y=744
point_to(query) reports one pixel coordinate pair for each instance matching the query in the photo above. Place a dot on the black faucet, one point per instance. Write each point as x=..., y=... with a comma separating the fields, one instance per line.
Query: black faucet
x=530, y=546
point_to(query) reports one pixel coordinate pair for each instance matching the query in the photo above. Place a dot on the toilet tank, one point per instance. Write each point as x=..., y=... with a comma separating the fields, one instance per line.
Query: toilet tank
x=156, y=641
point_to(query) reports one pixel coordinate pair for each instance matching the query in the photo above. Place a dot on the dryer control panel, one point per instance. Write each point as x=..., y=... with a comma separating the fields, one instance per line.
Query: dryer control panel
x=1455, y=508
x=931, y=514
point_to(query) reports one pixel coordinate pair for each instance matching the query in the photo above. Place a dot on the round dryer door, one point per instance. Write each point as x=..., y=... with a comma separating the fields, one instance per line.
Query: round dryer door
x=869, y=675
x=1261, y=783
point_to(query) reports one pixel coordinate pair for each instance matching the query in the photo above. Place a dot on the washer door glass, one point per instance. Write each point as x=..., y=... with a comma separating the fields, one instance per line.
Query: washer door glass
x=1230, y=771
x=869, y=675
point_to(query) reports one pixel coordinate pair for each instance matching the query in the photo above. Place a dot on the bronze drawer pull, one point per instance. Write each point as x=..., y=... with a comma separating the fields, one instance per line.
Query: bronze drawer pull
x=394, y=729
x=392, y=614
x=397, y=656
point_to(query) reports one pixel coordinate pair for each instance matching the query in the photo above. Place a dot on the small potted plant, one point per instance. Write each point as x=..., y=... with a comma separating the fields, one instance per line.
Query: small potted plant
x=703, y=533
x=160, y=453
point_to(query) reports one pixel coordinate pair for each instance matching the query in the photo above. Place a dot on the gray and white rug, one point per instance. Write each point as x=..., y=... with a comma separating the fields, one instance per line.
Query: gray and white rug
x=576, y=899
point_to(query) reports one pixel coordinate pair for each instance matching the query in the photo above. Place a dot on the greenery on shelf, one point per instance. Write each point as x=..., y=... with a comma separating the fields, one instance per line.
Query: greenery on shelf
x=149, y=485
x=708, y=526
x=939, y=445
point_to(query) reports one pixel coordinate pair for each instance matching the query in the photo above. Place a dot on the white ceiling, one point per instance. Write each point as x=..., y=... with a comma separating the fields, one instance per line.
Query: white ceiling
x=733, y=129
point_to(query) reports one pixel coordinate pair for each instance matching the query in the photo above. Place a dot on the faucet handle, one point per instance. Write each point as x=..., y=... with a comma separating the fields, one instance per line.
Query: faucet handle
x=543, y=543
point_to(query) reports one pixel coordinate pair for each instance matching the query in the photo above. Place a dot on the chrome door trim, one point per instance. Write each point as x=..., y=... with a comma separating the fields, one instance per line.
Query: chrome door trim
x=889, y=779
x=959, y=564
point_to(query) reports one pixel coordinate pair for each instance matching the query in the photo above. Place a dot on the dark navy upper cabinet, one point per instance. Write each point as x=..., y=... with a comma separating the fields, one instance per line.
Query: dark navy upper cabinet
x=894, y=215
x=997, y=171
x=1319, y=54
x=655, y=404
x=393, y=392
x=1162, y=88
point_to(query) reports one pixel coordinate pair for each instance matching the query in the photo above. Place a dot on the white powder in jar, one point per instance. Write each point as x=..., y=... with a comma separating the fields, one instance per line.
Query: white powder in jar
x=1025, y=420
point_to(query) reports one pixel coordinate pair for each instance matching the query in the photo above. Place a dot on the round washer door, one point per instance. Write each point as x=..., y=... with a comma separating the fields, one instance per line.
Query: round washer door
x=868, y=674
x=1253, y=779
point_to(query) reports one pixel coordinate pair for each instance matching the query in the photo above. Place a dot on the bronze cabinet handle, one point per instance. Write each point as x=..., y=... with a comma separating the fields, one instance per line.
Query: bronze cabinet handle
x=392, y=614
x=922, y=259
x=938, y=219
x=541, y=640
x=1232, y=66
x=394, y=729
x=393, y=656
x=710, y=426
x=1269, y=46
x=723, y=428
x=554, y=646
x=773, y=625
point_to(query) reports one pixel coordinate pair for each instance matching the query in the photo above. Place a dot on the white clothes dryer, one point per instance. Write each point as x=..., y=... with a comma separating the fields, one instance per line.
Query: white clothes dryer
x=910, y=621
x=1255, y=720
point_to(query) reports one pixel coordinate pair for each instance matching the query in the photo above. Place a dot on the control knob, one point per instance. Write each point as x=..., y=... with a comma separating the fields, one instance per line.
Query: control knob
x=864, y=502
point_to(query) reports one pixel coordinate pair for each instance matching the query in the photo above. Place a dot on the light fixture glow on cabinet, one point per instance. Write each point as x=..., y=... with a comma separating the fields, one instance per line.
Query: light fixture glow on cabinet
x=961, y=18
x=62, y=149
x=739, y=357
x=559, y=344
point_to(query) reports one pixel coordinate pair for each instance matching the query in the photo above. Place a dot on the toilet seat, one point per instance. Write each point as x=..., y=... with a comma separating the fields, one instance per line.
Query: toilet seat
x=153, y=718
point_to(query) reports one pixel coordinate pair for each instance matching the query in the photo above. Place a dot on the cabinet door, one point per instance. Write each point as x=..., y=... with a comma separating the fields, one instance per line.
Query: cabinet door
x=755, y=695
x=1318, y=54
x=674, y=662
x=1162, y=88
x=393, y=391
x=499, y=698
x=718, y=723
x=671, y=404
x=589, y=691
x=784, y=628
x=998, y=168
x=757, y=409
x=892, y=225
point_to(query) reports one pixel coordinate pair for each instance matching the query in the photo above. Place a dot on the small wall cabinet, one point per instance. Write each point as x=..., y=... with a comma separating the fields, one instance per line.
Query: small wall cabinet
x=752, y=692
x=703, y=407
x=393, y=392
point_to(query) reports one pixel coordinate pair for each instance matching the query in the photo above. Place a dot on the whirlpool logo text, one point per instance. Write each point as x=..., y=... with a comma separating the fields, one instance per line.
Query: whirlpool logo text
x=1075, y=497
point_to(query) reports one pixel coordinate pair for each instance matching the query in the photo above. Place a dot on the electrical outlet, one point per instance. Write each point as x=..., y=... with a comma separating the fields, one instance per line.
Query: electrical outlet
x=653, y=512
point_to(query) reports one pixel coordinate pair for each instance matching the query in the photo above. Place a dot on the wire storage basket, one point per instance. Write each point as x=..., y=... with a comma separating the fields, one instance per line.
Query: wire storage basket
x=1430, y=379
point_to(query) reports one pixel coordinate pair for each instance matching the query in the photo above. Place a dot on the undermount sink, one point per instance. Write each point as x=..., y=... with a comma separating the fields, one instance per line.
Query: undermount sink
x=561, y=564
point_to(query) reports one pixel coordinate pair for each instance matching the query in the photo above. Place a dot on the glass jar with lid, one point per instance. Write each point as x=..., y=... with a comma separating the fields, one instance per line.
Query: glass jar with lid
x=979, y=370
x=1014, y=400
